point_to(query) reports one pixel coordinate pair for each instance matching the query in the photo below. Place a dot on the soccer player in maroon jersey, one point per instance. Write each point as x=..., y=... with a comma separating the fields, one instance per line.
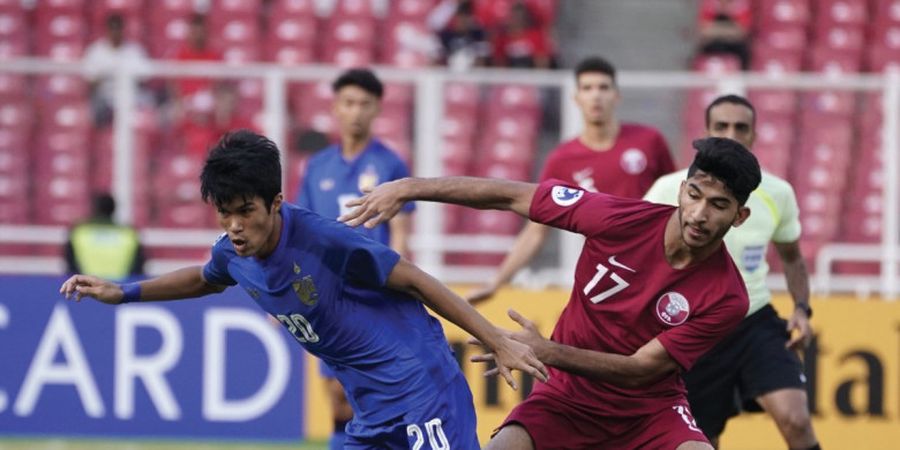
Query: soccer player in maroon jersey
x=654, y=289
x=622, y=159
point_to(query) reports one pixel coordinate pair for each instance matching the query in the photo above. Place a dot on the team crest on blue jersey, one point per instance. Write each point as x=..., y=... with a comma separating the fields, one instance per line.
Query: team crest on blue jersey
x=305, y=289
x=368, y=179
x=565, y=196
x=672, y=309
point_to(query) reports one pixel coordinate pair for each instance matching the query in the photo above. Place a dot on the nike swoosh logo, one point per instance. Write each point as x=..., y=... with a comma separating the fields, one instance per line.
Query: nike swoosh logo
x=612, y=261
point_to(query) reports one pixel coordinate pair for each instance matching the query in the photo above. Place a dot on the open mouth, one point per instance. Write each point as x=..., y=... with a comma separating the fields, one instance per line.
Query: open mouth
x=695, y=232
x=239, y=244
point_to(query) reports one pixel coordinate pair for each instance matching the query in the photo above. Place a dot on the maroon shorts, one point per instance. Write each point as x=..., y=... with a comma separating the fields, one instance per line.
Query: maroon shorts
x=554, y=423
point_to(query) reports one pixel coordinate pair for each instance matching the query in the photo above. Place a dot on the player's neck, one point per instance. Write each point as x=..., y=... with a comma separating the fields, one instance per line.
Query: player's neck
x=678, y=254
x=274, y=238
x=600, y=136
x=352, y=146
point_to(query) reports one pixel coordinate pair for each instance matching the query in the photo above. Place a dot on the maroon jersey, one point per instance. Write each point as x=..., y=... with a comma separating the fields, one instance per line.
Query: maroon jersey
x=628, y=169
x=626, y=294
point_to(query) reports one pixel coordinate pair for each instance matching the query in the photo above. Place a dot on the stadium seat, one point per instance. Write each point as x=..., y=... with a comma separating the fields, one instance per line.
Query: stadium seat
x=773, y=12
x=16, y=115
x=851, y=39
x=236, y=7
x=61, y=87
x=398, y=94
x=462, y=97
x=290, y=40
x=353, y=8
x=13, y=87
x=410, y=9
x=790, y=37
x=717, y=64
x=773, y=61
x=64, y=199
x=408, y=44
x=833, y=62
x=842, y=12
x=775, y=102
x=293, y=8
x=838, y=103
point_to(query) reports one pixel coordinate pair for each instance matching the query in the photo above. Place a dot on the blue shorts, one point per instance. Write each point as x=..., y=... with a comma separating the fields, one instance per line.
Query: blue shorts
x=447, y=422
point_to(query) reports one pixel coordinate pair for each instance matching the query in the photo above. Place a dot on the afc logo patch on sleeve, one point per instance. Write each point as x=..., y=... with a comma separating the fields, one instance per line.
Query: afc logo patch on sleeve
x=565, y=196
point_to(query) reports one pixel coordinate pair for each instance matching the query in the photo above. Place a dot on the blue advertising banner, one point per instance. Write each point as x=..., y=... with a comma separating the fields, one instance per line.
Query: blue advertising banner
x=203, y=368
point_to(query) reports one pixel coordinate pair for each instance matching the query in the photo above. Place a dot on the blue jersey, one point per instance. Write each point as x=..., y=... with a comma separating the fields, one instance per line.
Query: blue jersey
x=331, y=181
x=326, y=284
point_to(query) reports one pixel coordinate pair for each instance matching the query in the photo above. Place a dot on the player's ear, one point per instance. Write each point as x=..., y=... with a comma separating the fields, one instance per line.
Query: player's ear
x=277, y=201
x=742, y=215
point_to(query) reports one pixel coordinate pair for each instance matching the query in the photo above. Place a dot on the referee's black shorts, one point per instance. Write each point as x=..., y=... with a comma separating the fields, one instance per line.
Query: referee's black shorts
x=750, y=362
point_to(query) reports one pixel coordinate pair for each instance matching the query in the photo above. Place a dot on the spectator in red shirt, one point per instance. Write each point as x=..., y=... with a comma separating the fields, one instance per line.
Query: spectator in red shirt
x=724, y=28
x=520, y=43
x=200, y=127
x=196, y=48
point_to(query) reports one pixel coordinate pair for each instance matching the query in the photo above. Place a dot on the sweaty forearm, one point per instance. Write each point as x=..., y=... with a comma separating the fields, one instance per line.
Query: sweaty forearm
x=480, y=193
x=619, y=370
x=182, y=283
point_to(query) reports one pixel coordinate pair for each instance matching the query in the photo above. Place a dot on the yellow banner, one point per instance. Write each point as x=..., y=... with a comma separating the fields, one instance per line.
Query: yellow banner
x=852, y=367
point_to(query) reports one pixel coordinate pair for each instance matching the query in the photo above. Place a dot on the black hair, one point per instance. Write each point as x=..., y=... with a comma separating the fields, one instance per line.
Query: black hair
x=361, y=78
x=115, y=20
x=733, y=99
x=595, y=64
x=242, y=164
x=104, y=205
x=730, y=162
x=198, y=19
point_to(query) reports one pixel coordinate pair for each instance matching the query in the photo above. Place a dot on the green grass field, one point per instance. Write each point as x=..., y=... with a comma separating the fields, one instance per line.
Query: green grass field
x=90, y=444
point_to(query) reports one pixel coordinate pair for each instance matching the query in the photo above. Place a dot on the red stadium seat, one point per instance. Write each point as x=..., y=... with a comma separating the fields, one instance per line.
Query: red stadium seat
x=293, y=8
x=56, y=5
x=410, y=9
x=834, y=62
x=717, y=64
x=168, y=34
x=61, y=86
x=842, y=38
x=457, y=154
x=461, y=96
x=775, y=62
x=843, y=12
x=839, y=103
x=236, y=7
x=393, y=120
x=65, y=115
x=773, y=12
x=64, y=199
x=353, y=8
x=13, y=24
x=350, y=32
x=519, y=98
x=16, y=115
x=790, y=37
x=775, y=102
x=290, y=40
x=346, y=56
x=13, y=87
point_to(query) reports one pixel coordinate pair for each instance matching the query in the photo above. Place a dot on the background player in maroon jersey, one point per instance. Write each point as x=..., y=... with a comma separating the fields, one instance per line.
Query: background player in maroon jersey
x=654, y=289
x=622, y=159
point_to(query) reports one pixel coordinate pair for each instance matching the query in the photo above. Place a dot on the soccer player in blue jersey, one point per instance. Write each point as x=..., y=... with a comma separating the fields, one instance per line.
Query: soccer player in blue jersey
x=349, y=300
x=340, y=173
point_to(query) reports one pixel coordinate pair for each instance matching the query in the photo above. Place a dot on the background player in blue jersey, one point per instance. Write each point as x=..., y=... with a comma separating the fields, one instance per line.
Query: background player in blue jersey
x=349, y=300
x=338, y=174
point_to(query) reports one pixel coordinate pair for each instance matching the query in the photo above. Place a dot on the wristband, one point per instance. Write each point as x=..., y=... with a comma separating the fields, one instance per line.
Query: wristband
x=131, y=292
x=805, y=308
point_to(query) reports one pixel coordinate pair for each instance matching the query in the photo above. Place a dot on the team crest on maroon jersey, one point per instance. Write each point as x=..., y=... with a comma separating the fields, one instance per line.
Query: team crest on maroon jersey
x=633, y=161
x=672, y=308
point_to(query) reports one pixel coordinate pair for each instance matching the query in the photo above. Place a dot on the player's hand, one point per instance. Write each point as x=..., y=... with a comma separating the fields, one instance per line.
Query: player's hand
x=519, y=351
x=482, y=293
x=800, y=330
x=377, y=206
x=79, y=286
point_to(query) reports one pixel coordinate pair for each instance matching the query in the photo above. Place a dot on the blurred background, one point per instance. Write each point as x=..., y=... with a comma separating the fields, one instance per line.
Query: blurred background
x=123, y=97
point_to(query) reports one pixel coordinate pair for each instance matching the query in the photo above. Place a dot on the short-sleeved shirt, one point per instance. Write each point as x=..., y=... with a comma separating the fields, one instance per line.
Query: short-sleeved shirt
x=331, y=181
x=626, y=293
x=639, y=156
x=774, y=216
x=326, y=284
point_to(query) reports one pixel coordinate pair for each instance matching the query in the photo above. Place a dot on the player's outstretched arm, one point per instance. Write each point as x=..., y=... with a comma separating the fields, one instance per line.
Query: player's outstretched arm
x=182, y=283
x=510, y=354
x=383, y=202
x=648, y=364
